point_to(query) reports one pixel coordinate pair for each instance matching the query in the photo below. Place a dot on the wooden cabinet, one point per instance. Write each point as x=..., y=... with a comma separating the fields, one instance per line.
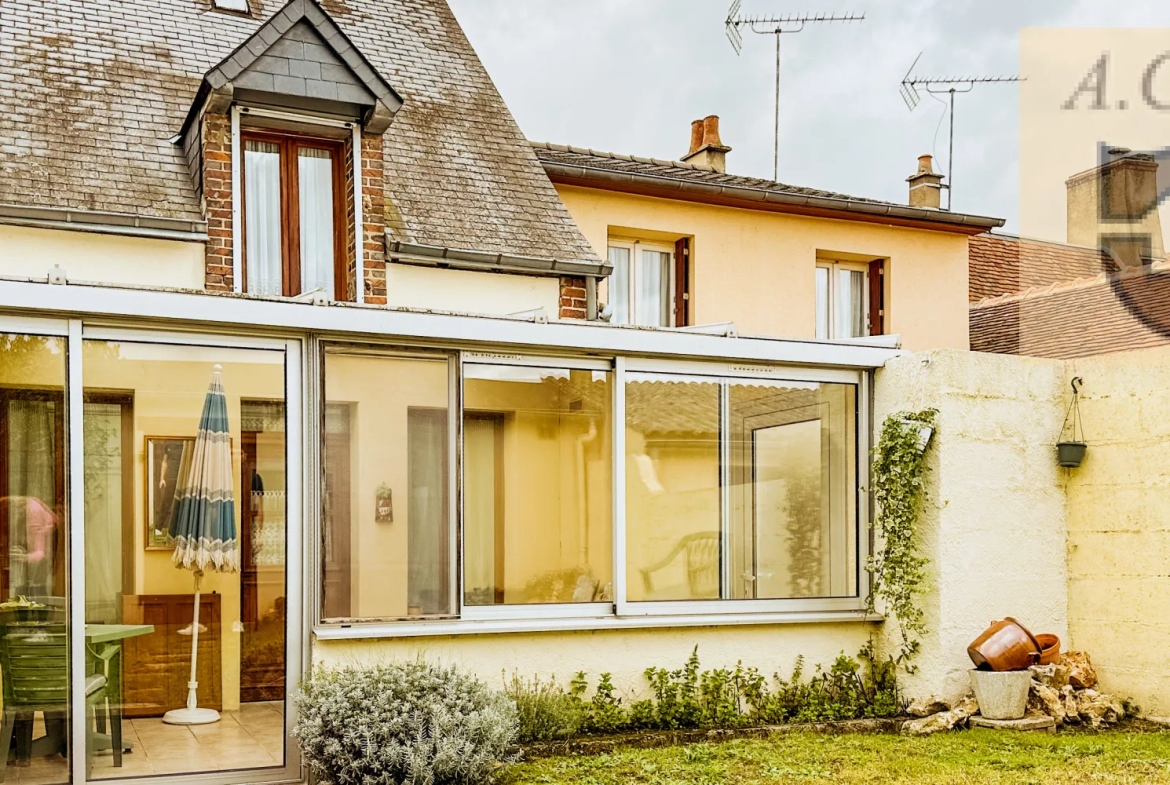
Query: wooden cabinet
x=156, y=666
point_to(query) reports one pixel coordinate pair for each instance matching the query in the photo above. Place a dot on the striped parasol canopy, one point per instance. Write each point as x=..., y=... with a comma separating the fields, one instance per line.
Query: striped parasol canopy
x=203, y=520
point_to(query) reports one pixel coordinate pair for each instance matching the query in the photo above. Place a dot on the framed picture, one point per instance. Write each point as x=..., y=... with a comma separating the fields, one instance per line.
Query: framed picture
x=168, y=458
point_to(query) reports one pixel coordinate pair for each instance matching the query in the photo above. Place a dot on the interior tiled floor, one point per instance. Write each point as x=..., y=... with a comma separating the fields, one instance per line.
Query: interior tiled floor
x=250, y=738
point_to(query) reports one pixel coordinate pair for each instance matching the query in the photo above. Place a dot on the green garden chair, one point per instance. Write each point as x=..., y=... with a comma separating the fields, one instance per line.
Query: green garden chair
x=34, y=658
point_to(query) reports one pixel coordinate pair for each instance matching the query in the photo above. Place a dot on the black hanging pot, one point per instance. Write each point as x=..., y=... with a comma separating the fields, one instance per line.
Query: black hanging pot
x=1070, y=454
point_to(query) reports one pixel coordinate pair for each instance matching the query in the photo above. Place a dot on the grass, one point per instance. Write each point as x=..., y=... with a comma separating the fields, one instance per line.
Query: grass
x=806, y=758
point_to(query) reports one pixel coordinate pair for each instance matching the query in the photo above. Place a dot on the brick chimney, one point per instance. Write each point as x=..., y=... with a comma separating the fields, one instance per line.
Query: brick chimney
x=707, y=150
x=1116, y=204
x=925, y=185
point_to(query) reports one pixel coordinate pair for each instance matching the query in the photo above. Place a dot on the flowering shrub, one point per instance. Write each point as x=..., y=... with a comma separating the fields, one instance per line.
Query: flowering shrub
x=411, y=723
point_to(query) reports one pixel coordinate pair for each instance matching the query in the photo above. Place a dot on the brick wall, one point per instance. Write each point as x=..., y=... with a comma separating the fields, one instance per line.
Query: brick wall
x=217, y=200
x=573, y=298
x=374, y=218
x=217, y=205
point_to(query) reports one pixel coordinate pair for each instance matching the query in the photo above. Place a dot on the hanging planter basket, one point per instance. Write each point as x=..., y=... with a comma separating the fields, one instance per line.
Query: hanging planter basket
x=1070, y=453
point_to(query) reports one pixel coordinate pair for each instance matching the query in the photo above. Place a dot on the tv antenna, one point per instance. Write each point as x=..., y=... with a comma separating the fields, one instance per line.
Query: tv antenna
x=776, y=25
x=942, y=86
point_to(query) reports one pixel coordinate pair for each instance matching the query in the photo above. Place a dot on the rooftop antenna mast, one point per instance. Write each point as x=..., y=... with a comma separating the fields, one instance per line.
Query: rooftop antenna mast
x=776, y=25
x=941, y=86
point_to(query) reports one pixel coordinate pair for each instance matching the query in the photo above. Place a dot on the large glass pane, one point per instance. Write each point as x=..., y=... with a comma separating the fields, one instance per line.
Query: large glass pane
x=175, y=482
x=262, y=238
x=385, y=548
x=793, y=527
x=619, y=284
x=653, y=289
x=672, y=488
x=34, y=654
x=537, y=516
x=315, y=192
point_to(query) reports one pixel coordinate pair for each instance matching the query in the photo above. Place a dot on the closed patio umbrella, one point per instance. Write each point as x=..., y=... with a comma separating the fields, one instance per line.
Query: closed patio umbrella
x=203, y=525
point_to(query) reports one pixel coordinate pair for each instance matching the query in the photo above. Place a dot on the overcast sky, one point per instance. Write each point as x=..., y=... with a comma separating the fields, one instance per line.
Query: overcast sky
x=630, y=75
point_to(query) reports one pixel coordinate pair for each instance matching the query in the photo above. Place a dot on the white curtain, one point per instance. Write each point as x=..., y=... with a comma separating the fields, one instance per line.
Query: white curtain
x=850, y=304
x=315, y=169
x=619, y=284
x=653, y=289
x=32, y=491
x=262, y=201
x=103, y=511
x=823, y=303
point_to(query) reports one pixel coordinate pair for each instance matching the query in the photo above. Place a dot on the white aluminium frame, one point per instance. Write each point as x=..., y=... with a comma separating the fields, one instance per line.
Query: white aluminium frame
x=76, y=332
x=583, y=610
x=726, y=374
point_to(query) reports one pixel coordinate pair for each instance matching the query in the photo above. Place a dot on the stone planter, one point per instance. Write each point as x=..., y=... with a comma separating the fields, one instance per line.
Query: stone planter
x=1001, y=695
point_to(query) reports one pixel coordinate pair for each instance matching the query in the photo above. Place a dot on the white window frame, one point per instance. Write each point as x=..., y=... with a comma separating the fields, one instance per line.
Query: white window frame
x=296, y=563
x=726, y=374
x=636, y=247
x=834, y=266
x=518, y=612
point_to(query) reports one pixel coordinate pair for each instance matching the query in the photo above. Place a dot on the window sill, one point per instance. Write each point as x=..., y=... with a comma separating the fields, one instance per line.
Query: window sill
x=500, y=626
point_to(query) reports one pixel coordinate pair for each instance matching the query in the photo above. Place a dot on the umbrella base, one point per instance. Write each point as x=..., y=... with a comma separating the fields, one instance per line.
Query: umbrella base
x=191, y=717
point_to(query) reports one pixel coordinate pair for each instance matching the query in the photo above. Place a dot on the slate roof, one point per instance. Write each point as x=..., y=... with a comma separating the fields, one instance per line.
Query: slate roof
x=677, y=170
x=91, y=92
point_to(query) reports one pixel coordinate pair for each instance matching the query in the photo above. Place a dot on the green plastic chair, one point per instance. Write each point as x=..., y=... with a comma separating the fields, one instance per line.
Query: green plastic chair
x=34, y=657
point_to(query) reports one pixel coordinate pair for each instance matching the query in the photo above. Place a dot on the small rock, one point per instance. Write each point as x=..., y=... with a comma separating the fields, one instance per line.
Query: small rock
x=943, y=720
x=1098, y=709
x=1045, y=701
x=925, y=707
x=1081, y=674
x=1054, y=676
x=1068, y=697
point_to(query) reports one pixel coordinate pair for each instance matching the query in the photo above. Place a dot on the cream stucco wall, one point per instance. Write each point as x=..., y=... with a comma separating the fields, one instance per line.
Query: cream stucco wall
x=470, y=292
x=757, y=269
x=993, y=525
x=1119, y=525
x=623, y=653
x=103, y=258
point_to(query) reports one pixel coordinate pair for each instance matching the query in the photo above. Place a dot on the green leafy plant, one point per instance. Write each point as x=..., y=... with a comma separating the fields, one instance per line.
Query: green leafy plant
x=897, y=569
x=410, y=723
x=546, y=711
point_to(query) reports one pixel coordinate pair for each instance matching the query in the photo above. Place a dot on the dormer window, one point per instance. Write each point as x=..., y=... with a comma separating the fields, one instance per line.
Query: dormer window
x=293, y=220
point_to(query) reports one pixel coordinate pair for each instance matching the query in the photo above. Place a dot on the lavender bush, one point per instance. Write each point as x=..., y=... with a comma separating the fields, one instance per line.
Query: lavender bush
x=410, y=723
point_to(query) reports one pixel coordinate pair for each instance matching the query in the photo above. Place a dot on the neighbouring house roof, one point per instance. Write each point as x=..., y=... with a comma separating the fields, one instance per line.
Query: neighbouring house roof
x=92, y=94
x=679, y=180
x=1047, y=299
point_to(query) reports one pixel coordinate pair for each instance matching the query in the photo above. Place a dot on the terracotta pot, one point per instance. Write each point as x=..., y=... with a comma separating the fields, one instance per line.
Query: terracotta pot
x=1005, y=646
x=1049, y=648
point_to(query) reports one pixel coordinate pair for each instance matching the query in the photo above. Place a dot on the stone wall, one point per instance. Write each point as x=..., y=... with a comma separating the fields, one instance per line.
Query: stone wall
x=993, y=525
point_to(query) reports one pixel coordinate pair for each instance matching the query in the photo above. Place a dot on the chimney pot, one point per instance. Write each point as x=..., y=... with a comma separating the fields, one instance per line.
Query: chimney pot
x=711, y=131
x=707, y=149
x=926, y=185
x=696, y=137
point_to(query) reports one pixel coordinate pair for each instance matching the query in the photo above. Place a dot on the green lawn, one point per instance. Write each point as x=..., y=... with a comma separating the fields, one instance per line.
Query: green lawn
x=984, y=757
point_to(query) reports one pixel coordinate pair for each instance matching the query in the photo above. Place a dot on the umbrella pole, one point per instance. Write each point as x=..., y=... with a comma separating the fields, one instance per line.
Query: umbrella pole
x=193, y=715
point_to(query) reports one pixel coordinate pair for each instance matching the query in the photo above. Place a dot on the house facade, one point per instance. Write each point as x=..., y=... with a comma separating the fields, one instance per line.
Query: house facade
x=445, y=442
x=693, y=245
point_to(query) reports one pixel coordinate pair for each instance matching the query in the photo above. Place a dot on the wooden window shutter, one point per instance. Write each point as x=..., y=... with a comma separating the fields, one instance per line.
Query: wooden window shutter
x=877, y=297
x=682, y=282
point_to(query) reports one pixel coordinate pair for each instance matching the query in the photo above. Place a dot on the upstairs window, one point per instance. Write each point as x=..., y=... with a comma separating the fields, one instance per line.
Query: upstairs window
x=293, y=219
x=641, y=288
x=842, y=300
